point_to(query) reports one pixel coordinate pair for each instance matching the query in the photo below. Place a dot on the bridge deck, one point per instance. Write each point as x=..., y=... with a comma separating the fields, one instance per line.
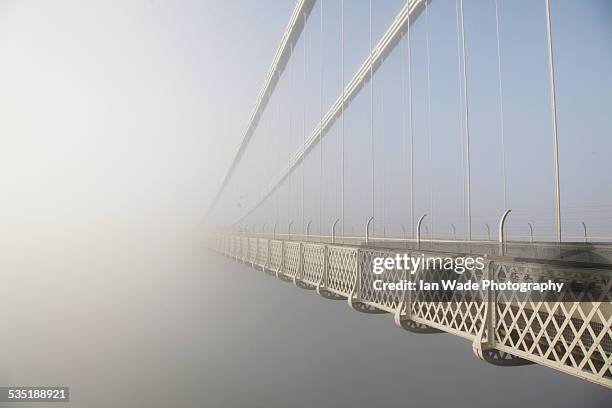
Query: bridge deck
x=572, y=334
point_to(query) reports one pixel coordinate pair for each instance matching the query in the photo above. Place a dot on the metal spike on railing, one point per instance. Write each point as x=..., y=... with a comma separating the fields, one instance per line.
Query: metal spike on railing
x=334, y=231
x=419, y=222
x=502, y=221
x=367, y=230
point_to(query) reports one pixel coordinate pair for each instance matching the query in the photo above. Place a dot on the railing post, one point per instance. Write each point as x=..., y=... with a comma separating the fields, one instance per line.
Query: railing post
x=323, y=281
x=502, y=221
x=354, y=297
x=267, y=261
x=419, y=222
x=411, y=277
x=237, y=244
x=298, y=273
x=326, y=268
x=358, y=273
x=256, y=257
x=281, y=265
x=404, y=309
x=480, y=346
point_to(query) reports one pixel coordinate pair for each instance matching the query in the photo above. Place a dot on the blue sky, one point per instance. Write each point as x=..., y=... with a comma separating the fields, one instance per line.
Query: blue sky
x=583, y=56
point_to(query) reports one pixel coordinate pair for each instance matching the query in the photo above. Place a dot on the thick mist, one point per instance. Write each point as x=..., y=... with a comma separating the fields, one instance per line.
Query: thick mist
x=118, y=120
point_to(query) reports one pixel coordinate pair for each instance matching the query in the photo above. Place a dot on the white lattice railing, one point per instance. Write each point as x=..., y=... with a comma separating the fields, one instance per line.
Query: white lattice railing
x=293, y=259
x=384, y=300
x=276, y=255
x=252, y=250
x=313, y=256
x=244, y=249
x=573, y=335
x=342, y=271
x=262, y=252
x=460, y=313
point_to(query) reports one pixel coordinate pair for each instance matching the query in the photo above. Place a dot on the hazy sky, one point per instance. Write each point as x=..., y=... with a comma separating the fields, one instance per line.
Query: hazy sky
x=129, y=113
x=118, y=120
x=125, y=112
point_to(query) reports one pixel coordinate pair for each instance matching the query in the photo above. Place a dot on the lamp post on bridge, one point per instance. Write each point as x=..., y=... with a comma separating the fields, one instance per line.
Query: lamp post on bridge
x=501, y=237
x=334, y=231
x=367, y=229
x=308, y=230
x=419, y=222
x=530, y=232
x=289, y=229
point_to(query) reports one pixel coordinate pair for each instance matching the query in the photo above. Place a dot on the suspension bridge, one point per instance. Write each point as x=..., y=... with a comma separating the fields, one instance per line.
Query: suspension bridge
x=343, y=160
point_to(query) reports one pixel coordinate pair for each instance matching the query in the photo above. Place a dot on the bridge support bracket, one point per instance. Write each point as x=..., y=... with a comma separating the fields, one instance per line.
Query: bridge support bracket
x=483, y=345
x=502, y=358
x=402, y=317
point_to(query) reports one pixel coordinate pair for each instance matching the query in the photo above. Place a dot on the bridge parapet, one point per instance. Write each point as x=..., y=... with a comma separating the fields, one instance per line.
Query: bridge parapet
x=570, y=332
